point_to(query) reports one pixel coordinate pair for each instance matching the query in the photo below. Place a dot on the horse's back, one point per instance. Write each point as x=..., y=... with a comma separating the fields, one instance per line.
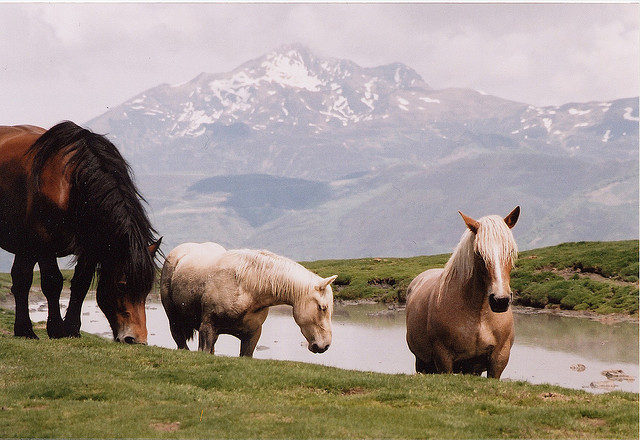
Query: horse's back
x=16, y=140
x=14, y=186
x=195, y=254
x=19, y=131
x=183, y=283
x=423, y=283
x=190, y=262
x=420, y=293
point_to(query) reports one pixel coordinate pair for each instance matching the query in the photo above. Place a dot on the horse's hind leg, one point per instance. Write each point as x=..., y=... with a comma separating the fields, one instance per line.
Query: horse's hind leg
x=180, y=330
x=207, y=337
x=51, y=282
x=22, y=277
x=179, y=333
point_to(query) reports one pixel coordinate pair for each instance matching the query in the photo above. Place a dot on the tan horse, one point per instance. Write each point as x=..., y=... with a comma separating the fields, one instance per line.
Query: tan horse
x=458, y=318
x=205, y=288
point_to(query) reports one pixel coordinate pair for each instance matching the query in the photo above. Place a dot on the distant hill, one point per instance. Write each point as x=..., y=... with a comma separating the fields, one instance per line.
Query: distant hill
x=260, y=198
x=393, y=160
x=321, y=158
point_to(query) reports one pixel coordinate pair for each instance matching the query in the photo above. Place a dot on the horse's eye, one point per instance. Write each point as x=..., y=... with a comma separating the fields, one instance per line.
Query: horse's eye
x=322, y=308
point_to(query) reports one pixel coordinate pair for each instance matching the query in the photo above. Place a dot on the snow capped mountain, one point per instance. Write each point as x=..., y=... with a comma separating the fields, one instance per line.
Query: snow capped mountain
x=390, y=158
x=577, y=127
x=290, y=101
x=287, y=87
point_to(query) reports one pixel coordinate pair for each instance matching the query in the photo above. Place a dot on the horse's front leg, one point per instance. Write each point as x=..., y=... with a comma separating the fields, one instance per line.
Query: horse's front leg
x=207, y=337
x=80, y=284
x=498, y=360
x=51, y=282
x=21, y=278
x=423, y=367
x=249, y=341
x=442, y=359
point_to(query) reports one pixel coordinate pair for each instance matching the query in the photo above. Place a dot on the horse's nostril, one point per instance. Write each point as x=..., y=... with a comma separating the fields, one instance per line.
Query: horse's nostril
x=315, y=348
x=129, y=340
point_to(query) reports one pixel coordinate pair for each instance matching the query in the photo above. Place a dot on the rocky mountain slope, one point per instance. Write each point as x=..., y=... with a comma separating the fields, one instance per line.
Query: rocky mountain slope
x=321, y=158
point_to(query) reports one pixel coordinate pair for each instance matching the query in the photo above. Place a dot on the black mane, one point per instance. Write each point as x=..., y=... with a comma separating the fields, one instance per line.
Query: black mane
x=111, y=225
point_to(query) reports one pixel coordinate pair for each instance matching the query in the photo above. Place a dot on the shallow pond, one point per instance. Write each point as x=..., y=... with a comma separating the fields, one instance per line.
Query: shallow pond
x=567, y=351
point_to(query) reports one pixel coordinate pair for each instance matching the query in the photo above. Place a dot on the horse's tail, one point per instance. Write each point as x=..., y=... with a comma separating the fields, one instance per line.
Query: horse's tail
x=165, y=279
x=180, y=327
x=103, y=200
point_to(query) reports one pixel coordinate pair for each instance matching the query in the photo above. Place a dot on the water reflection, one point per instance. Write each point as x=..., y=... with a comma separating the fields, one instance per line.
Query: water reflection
x=610, y=343
x=370, y=337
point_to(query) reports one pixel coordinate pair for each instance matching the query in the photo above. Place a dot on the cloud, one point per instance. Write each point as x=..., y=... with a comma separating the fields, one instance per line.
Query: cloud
x=75, y=60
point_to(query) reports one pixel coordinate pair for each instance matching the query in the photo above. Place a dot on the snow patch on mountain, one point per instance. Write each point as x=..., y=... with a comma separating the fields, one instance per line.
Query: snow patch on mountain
x=289, y=70
x=292, y=97
x=628, y=115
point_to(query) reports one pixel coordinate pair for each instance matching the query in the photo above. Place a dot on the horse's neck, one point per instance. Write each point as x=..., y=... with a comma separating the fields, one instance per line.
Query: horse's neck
x=267, y=297
x=470, y=291
x=477, y=287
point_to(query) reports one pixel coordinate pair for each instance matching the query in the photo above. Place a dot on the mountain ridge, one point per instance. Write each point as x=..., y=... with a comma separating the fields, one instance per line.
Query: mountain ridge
x=418, y=155
x=395, y=158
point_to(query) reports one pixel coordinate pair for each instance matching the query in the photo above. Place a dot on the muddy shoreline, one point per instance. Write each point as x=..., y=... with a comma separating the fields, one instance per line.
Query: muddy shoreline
x=609, y=318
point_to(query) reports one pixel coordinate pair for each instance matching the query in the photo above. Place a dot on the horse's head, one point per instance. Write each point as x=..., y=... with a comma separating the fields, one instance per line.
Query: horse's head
x=496, y=251
x=313, y=314
x=122, y=301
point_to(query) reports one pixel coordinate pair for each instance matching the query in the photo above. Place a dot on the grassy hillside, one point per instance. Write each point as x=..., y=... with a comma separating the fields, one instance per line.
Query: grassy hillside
x=94, y=388
x=602, y=277
x=596, y=276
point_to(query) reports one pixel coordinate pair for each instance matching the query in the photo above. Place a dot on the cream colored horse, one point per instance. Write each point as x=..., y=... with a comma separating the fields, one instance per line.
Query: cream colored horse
x=205, y=288
x=458, y=318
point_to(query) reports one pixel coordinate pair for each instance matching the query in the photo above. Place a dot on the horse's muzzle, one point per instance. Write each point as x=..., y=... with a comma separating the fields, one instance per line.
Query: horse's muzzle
x=315, y=348
x=499, y=305
x=130, y=340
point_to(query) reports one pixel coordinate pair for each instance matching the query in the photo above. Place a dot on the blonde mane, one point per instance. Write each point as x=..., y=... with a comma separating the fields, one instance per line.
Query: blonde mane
x=494, y=242
x=265, y=272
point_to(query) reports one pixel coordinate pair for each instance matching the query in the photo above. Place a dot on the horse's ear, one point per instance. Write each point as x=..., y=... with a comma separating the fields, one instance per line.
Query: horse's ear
x=325, y=282
x=472, y=224
x=512, y=218
x=153, y=247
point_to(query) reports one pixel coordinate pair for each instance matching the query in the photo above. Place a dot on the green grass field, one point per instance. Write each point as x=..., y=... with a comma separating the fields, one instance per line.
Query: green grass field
x=597, y=276
x=94, y=388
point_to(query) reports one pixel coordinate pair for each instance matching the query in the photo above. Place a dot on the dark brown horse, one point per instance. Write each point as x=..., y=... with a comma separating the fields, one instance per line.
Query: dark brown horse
x=68, y=191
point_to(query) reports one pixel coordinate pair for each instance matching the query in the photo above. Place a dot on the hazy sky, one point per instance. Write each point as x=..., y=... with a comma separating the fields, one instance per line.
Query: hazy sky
x=74, y=61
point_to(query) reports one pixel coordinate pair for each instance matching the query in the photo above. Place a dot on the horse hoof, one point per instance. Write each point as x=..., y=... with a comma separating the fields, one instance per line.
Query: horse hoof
x=55, y=331
x=72, y=330
x=61, y=334
x=26, y=334
x=72, y=334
